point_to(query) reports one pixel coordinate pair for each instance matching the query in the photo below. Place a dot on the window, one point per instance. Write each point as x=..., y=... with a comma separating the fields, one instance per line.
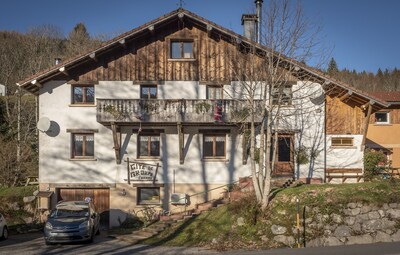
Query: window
x=214, y=145
x=83, y=94
x=149, y=145
x=382, y=118
x=342, y=141
x=82, y=146
x=214, y=92
x=182, y=50
x=148, y=196
x=284, y=149
x=148, y=91
x=282, y=95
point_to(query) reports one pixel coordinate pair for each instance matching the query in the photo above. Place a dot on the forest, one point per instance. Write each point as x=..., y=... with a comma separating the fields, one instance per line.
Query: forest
x=24, y=54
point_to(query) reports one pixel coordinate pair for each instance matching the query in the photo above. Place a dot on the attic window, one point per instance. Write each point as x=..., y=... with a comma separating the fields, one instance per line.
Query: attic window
x=83, y=94
x=342, y=141
x=381, y=118
x=182, y=50
x=282, y=95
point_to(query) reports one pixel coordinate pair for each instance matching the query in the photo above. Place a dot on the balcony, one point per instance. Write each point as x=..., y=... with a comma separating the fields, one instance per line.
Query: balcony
x=173, y=111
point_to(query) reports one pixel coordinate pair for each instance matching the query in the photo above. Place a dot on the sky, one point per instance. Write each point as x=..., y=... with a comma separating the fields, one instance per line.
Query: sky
x=359, y=34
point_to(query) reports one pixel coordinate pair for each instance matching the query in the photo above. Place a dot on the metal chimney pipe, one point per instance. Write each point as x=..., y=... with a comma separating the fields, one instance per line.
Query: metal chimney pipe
x=259, y=19
x=57, y=61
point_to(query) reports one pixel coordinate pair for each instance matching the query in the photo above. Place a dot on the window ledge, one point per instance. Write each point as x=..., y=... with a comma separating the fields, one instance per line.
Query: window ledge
x=144, y=205
x=83, y=159
x=215, y=160
x=343, y=147
x=149, y=159
x=382, y=124
x=82, y=105
x=182, y=59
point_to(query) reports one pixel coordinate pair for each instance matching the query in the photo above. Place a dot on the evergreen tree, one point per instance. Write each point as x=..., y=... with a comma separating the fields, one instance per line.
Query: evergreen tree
x=332, y=67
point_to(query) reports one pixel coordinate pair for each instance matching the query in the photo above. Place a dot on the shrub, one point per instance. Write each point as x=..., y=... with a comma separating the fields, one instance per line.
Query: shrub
x=372, y=158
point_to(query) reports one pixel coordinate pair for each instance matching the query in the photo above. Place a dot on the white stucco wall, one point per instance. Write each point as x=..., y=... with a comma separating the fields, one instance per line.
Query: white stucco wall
x=345, y=157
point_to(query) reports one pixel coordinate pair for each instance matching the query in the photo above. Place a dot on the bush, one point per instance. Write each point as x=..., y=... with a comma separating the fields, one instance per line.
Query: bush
x=372, y=158
x=132, y=222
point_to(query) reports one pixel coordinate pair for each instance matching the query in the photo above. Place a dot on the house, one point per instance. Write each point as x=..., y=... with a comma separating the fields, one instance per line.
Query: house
x=384, y=128
x=153, y=120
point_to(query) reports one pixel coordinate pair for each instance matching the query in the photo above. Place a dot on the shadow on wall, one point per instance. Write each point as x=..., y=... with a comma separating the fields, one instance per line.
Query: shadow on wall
x=54, y=129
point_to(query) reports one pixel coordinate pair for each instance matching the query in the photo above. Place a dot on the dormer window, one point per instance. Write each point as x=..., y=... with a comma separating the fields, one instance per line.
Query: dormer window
x=182, y=50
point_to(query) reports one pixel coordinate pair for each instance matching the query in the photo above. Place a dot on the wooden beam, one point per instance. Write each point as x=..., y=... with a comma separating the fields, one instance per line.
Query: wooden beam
x=63, y=70
x=36, y=83
x=209, y=29
x=122, y=42
x=366, y=123
x=181, y=15
x=181, y=144
x=93, y=56
x=151, y=28
x=345, y=96
x=117, y=146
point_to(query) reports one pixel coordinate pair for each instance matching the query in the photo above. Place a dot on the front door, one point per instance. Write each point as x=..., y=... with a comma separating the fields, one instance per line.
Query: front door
x=284, y=160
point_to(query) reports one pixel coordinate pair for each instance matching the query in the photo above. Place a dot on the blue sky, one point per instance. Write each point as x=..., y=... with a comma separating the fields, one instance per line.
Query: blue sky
x=363, y=34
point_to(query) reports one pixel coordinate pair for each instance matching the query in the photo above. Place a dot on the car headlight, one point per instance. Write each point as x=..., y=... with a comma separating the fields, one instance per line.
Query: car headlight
x=48, y=225
x=84, y=224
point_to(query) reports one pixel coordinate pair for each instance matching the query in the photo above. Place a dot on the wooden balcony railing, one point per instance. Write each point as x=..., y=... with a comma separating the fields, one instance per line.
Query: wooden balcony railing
x=170, y=110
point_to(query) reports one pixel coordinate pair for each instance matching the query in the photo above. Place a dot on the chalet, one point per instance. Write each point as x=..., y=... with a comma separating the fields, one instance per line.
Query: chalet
x=151, y=119
x=384, y=129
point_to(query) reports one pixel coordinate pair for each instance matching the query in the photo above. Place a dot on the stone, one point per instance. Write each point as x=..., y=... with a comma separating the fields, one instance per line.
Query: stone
x=372, y=225
x=350, y=221
x=35, y=192
x=364, y=239
x=278, y=230
x=286, y=240
x=359, y=204
x=346, y=211
x=29, y=199
x=317, y=242
x=214, y=240
x=394, y=213
x=332, y=241
x=389, y=231
x=385, y=206
x=28, y=220
x=362, y=218
x=264, y=239
x=382, y=213
x=382, y=237
x=351, y=205
x=327, y=232
x=393, y=205
x=331, y=227
x=342, y=231
x=388, y=224
x=374, y=215
x=308, y=220
x=240, y=221
x=357, y=227
x=336, y=218
x=365, y=209
x=355, y=211
x=281, y=212
x=396, y=236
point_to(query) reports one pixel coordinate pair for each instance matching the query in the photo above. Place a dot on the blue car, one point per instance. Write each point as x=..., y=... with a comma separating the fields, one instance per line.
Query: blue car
x=72, y=221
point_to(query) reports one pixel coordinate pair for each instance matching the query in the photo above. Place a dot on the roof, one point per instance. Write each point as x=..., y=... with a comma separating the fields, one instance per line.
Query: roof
x=32, y=83
x=393, y=96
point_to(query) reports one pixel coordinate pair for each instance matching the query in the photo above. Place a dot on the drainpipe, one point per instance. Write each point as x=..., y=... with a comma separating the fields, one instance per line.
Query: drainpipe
x=259, y=19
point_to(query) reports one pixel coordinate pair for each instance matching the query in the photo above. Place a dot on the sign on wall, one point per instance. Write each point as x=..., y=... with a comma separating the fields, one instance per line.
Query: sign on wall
x=141, y=172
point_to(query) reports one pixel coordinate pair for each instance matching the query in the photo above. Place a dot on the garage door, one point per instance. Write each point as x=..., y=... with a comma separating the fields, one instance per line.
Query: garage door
x=100, y=198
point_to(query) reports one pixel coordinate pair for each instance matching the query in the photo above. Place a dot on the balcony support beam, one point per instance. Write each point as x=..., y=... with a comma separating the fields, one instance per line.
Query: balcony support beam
x=117, y=145
x=181, y=143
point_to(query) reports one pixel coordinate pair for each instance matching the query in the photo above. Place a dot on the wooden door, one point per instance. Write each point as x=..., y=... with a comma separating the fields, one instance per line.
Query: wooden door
x=284, y=163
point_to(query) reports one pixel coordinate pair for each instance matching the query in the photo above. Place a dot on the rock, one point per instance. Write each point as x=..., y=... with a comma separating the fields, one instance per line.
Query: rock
x=382, y=213
x=382, y=237
x=346, y=211
x=372, y=225
x=389, y=231
x=14, y=206
x=394, y=213
x=396, y=236
x=28, y=220
x=315, y=209
x=336, y=218
x=350, y=221
x=286, y=240
x=308, y=220
x=342, y=231
x=317, y=242
x=351, y=205
x=362, y=218
x=359, y=204
x=327, y=232
x=393, y=205
x=281, y=212
x=35, y=192
x=388, y=224
x=332, y=241
x=355, y=211
x=240, y=221
x=365, y=209
x=331, y=227
x=214, y=241
x=278, y=230
x=357, y=227
x=364, y=239
x=29, y=199
x=264, y=239
x=385, y=207
x=374, y=215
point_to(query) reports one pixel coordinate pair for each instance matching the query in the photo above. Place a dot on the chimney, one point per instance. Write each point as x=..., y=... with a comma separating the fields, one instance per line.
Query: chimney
x=259, y=19
x=249, y=26
x=57, y=61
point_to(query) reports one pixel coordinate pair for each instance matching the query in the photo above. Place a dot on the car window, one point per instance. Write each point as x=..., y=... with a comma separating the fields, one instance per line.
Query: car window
x=66, y=213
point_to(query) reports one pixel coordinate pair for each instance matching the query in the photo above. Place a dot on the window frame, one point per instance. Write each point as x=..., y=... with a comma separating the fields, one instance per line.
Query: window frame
x=84, y=94
x=149, y=86
x=290, y=147
x=341, y=144
x=383, y=122
x=278, y=99
x=182, y=43
x=139, y=201
x=148, y=134
x=214, y=145
x=84, y=144
x=215, y=88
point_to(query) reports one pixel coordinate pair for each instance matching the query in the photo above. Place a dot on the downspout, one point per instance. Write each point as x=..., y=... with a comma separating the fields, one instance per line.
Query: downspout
x=259, y=19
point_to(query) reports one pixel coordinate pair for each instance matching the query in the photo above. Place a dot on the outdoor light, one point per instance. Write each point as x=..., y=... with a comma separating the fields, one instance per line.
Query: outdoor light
x=123, y=193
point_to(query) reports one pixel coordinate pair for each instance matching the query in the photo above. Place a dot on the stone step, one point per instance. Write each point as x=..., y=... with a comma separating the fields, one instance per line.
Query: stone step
x=141, y=233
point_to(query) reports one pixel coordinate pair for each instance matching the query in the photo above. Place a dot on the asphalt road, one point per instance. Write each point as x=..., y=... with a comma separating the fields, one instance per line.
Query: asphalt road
x=33, y=243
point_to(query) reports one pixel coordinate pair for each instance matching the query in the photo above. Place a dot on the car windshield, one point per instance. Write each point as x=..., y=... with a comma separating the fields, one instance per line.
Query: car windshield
x=70, y=212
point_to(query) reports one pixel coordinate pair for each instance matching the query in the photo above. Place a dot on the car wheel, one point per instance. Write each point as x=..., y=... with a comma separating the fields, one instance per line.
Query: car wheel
x=91, y=237
x=5, y=233
x=98, y=232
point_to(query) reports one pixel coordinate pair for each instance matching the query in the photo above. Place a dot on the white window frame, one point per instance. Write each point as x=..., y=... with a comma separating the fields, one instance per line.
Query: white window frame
x=383, y=122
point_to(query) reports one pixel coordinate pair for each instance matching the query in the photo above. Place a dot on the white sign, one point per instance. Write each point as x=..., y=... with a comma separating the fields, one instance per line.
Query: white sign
x=142, y=172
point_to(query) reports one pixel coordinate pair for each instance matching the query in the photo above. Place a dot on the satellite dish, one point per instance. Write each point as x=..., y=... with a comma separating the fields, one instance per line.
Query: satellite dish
x=43, y=124
x=318, y=100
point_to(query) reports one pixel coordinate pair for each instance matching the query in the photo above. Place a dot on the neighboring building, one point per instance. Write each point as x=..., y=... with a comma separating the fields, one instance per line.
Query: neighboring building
x=384, y=128
x=2, y=90
x=150, y=114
